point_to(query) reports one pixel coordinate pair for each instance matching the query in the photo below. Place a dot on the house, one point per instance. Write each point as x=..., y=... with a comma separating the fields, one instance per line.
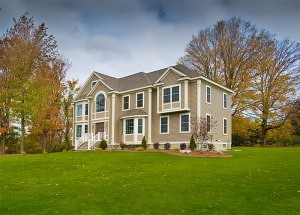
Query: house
x=157, y=105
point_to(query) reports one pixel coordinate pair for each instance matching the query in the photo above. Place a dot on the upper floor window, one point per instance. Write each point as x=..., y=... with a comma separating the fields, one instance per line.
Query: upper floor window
x=164, y=124
x=100, y=102
x=208, y=123
x=126, y=102
x=208, y=94
x=184, y=122
x=79, y=110
x=93, y=83
x=171, y=94
x=86, y=109
x=224, y=100
x=224, y=126
x=140, y=100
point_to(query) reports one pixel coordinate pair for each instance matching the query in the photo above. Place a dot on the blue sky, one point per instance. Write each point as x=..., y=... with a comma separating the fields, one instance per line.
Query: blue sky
x=121, y=37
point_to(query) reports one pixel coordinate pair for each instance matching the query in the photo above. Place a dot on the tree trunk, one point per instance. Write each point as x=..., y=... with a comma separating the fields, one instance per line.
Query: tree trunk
x=22, y=136
x=264, y=132
x=44, y=140
x=2, y=143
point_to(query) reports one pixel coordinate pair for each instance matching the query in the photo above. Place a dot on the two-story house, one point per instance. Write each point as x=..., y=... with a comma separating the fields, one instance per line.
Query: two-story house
x=158, y=105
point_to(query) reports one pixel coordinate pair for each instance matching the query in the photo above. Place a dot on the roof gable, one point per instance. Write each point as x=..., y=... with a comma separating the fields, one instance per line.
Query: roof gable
x=170, y=69
x=86, y=88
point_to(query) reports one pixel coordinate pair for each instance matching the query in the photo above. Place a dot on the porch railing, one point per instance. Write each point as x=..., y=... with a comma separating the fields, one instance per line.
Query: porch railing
x=90, y=139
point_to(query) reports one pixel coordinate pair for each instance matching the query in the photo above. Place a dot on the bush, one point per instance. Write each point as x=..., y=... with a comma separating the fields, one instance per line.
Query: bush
x=140, y=149
x=103, y=144
x=176, y=149
x=156, y=145
x=131, y=146
x=144, y=143
x=211, y=146
x=167, y=146
x=192, y=143
x=182, y=146
x=98, y=149
x=122, y=145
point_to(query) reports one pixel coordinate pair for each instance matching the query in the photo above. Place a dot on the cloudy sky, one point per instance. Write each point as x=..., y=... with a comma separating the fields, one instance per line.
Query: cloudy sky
x=121, y=37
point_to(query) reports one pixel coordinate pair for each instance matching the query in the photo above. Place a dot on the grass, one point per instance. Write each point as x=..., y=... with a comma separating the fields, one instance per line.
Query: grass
x=253, y=181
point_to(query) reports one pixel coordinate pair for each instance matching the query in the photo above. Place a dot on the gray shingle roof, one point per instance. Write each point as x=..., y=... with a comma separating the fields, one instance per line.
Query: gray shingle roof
x=134, y=112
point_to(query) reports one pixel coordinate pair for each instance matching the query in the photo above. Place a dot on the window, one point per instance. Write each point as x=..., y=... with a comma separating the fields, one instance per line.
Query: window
x=140, y=126
x=184, y=122
x=208, y=94
x=224, y=126
x=78, y=130
x=164, y=124
x=171, y=97
x=100, y=102
x=224, y=100
x=167, y=95
x=94, y=83
x=129, y=126
x=79, y=110
x=86, y=109
x=208, y=122
x=125, y=102
x=175, y=94
x=86, y=129
x=140, y=100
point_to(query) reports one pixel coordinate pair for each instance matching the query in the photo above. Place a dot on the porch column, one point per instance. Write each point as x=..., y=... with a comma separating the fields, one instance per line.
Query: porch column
x=186, y=94
x=198, y=99
x=112, y=138
x=149, y=115
x=90, y=131
x=135, y=130
x=157, y=99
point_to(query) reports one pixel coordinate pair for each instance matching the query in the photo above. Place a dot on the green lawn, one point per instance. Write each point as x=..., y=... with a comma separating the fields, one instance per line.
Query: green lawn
x=252, y=181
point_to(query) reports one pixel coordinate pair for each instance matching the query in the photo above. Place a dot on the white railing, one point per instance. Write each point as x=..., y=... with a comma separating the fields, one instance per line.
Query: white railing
x=96, y=138
x=82, y=140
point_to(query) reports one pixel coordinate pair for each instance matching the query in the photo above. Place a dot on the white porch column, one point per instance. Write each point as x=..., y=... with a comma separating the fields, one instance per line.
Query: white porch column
x=124, y=130
x=186, y=94
x=198, y=99
x=149, y=115
x=112, y=138
x=157, y=99
x=135, y=130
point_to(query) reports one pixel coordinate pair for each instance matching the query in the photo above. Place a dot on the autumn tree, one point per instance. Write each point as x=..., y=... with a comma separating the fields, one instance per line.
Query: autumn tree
x=24, y=49
x=274, y=85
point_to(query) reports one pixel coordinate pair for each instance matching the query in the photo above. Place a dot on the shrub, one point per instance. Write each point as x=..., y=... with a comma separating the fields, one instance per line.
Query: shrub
x=98, y=149
x=140, y=149
x=211, y=146
x=144, y=143
x=103, y=144
x=192, y=143
x=122, y=145
x=131, y=146
x=156, y=145
x=167, y=146
x=182, y=146
x=176, y=149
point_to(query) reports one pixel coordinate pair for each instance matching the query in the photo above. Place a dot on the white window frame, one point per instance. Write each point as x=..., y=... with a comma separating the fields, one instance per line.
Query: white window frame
x=210, y=95
x=86, y=104
x=105, y=102
x=123, y=102
x=167, y=116
x=80, y=131
x=143, y=126
x=136, y=99
x=171, y=87
x=209, y=122
x=225, y=101
x=77, y=105
x=126, y=127
x=189, y=123
x=225, y=119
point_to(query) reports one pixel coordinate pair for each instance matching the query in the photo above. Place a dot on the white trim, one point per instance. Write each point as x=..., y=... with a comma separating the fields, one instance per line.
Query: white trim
x=149, y=116
x=167, y=72
x=93, y=84
x=225, y=94
x=186, y=94
x=136, y=101
x=133, y=116
x=171, y=86
x=76, y=112
x=128, y=102
x=185, y=132
x=143, y=126
x=85, y=84
x=135, y=89
x=95, y=87
x=99, y=92
x=157, y=100
x=198, y=99
x=112, y=138
x=213, y=83
x=208, y=114
x=166, y=116
x=226, y=126
x=210, y=96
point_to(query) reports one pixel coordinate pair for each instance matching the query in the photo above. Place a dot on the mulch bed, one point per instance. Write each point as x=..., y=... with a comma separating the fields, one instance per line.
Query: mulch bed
x=196, y=153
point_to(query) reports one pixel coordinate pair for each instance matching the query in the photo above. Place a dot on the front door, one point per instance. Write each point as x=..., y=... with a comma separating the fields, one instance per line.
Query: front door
x=99, y=127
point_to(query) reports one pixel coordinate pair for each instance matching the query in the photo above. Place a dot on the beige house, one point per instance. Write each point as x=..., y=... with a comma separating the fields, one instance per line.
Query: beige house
x=158, y=105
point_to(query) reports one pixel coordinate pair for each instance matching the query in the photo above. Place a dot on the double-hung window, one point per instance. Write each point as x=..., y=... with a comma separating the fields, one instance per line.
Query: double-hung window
x=164, y=124
x=79, y=110
x=224, y=100
x=139, y=100
x=224, y=126
x=78, y=130
x=208, y=123
x=125, y=102
x=171, y=94
x=129, y=126
x=208, y=94
x=184, y=122
x=140, y=126
x=86, y=109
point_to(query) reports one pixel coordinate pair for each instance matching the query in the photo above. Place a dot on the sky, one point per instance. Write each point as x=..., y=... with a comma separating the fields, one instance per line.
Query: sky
x=122, y=37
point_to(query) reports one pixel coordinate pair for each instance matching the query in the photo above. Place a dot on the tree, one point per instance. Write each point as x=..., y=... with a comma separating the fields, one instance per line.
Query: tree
x=144, y=143
x=227, y=54
x=202, y=129
x=274, y=84
x=192, y=143
x=25, y=49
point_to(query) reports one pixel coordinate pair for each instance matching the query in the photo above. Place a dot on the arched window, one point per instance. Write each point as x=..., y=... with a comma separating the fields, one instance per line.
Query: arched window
x=100, y=102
